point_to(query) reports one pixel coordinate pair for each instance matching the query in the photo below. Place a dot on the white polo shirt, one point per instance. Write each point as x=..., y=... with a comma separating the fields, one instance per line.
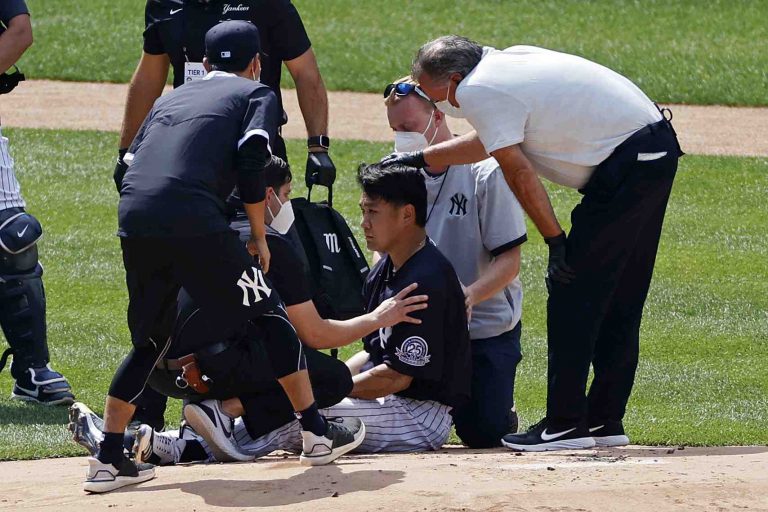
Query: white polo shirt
x=473, y=216
x=567, y=113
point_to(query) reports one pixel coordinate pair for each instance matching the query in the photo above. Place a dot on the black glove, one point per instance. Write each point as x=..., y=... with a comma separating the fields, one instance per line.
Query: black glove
x=410, y=159
x=557, y=269
x=120, y=168
x=320, y=169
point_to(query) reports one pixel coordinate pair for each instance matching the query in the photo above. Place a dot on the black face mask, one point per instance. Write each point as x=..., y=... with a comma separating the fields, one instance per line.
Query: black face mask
x=9, y=81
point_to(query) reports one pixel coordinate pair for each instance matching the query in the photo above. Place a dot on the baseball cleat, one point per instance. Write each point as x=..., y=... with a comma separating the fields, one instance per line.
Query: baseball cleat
x=343, y=436
x=157, y=448
x=210, y=423
x=86, y=427
x=608, y=434
x=44, y=386
x=541, y=437
x=105, y=477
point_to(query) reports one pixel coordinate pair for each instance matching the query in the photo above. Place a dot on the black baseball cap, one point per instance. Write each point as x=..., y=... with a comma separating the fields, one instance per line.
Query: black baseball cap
x=232, y=42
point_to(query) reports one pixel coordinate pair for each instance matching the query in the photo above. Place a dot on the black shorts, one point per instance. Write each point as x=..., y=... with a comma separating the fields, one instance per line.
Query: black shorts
x=215, y=269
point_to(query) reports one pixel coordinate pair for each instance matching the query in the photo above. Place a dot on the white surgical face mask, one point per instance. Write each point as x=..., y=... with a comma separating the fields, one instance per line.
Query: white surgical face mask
x=283, y=221
x=446, y=107
x=414, y=141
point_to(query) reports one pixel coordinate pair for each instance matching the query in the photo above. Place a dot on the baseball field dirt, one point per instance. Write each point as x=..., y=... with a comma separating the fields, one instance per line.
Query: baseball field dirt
x=636, y=478
x=705, y=130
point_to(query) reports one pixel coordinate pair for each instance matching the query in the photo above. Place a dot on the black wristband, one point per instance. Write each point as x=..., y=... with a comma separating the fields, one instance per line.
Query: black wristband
x=556, y=240
x=322, y=141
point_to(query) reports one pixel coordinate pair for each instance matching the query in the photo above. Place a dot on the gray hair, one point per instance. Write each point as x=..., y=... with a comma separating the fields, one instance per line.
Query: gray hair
x=445, y=56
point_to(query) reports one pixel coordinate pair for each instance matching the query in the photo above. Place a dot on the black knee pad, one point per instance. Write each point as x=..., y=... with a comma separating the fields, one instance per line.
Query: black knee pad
x=22, y=314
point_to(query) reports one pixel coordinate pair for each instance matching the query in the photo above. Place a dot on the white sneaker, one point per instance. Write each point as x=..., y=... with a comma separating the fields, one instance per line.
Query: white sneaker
x=343, y=436
x=208, y=421
x=157, y=448
x=103, y=477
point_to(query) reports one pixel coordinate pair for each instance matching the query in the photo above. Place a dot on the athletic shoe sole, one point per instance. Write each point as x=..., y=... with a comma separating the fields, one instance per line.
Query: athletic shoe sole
x=82, y=426
x=142, y=445
x=611, y=441
x=320, y=460
x=579, y=443
x=67, y=400
x=101, y=486
x=222, y=449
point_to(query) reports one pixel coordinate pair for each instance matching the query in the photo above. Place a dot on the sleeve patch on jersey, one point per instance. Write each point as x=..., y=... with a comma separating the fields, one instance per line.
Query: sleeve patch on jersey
x=414, y=351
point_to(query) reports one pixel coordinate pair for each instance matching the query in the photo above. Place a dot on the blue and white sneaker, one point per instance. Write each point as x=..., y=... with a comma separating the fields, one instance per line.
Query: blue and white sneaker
x=44, y=386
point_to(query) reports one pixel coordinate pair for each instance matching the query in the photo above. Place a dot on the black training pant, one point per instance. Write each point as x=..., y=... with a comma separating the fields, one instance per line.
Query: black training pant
x=612, y=248
x=221, y=277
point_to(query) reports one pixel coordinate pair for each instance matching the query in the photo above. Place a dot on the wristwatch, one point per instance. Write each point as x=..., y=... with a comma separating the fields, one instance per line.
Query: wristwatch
x=322, y=141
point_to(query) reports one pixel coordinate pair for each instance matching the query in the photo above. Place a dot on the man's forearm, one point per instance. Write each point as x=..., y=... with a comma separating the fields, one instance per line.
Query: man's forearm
x=378, y=382
x=255, y=212
x=311, y=93
x=466, y=149
x=146, y=86
x=15, y=41
x=502, y=271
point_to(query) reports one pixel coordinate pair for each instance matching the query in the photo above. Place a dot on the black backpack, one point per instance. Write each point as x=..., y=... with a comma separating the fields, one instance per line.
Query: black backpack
x=337, y=266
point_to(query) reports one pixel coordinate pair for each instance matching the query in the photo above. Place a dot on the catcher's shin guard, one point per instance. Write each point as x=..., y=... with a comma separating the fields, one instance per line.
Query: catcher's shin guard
x=22, y=317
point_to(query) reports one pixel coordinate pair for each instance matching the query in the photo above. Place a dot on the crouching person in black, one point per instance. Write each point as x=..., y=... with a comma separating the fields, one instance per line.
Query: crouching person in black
x=195, y=145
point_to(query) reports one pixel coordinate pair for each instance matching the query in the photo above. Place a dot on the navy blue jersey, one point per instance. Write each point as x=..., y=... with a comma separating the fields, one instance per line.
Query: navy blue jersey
x=171, y=26
x=183, y=166
x=436, y=353
x=10, y=9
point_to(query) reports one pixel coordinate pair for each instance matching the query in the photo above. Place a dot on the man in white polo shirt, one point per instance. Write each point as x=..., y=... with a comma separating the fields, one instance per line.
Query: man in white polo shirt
x=476, y=222
x=583, y=126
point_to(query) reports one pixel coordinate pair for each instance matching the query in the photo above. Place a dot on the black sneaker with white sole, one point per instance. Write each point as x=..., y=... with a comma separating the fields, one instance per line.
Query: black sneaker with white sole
x=157, y=448
x=343, y=436
x=207, y=419
x=609, y=433
x=541, y=437
x=86, y=427
x=42, y=385
x=105, y=477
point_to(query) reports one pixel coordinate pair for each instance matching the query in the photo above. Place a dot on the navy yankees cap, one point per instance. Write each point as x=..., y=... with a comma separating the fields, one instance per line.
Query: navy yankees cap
x=232, y=42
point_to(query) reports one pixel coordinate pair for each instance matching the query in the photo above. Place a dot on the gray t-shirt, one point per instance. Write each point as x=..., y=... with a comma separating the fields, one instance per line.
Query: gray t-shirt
x=473, y=216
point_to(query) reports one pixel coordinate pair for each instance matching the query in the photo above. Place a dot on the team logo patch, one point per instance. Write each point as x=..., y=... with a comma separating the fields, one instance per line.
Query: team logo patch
x=414, y=351
x=458, y=205
x=257, y=286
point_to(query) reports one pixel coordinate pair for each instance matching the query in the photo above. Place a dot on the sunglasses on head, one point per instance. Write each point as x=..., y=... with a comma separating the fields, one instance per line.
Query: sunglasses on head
x=404, y=89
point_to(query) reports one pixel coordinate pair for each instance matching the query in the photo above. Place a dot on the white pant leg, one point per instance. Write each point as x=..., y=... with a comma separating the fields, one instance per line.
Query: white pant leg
x=10, y=192
x=392, y=424
x=287, y=437
x=397, y=424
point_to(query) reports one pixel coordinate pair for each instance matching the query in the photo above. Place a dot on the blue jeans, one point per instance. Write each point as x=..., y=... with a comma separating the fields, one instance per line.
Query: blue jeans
x=483, y=421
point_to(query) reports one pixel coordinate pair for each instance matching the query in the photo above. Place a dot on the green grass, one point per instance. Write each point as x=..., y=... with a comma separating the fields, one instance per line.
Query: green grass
x=687, y=51
x=704, y=364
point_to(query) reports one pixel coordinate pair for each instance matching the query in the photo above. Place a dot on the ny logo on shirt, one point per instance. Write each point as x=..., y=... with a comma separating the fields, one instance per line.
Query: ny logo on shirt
x=332, y=241
x=458, y=205
x=256, y=285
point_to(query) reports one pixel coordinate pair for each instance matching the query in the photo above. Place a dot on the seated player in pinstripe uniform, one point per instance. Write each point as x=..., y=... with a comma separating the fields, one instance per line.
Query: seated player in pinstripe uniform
x=262, y=405
x=410, y=376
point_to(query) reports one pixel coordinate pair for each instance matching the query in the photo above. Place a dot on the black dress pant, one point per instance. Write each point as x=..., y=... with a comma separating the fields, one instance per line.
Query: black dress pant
x=221, y=277
x=612, y=248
